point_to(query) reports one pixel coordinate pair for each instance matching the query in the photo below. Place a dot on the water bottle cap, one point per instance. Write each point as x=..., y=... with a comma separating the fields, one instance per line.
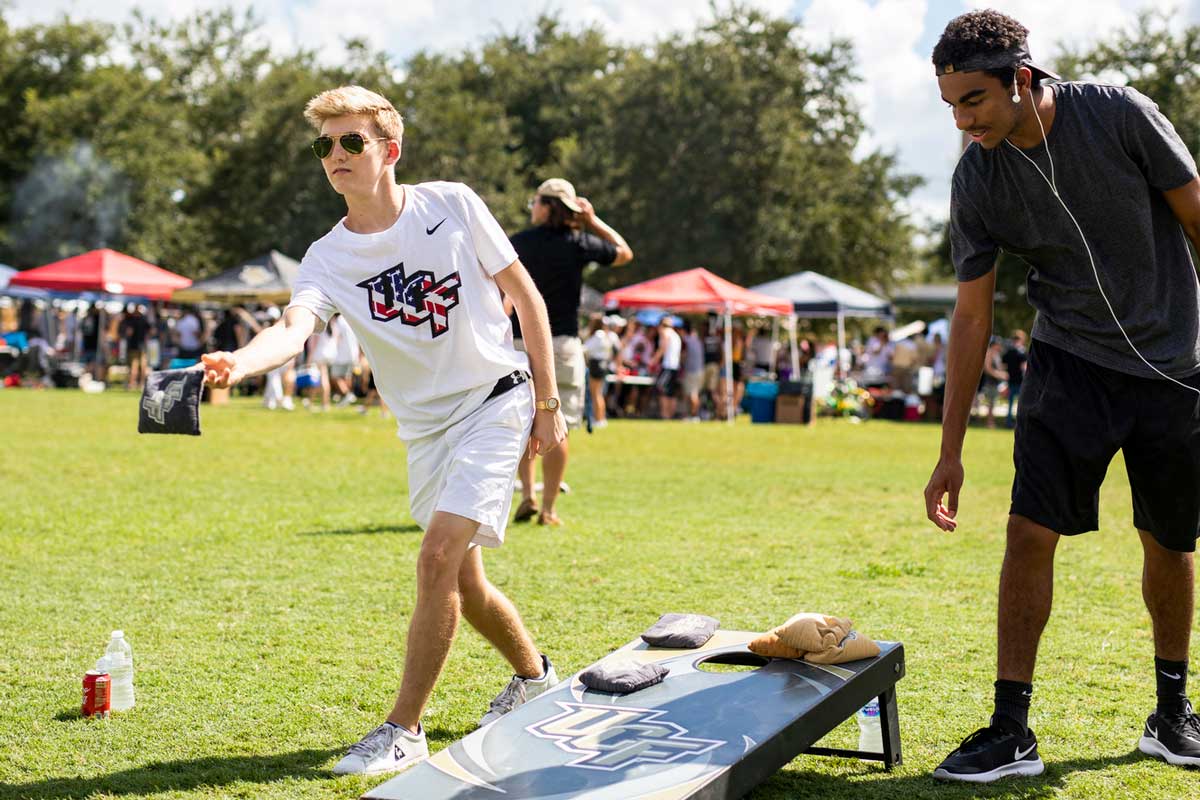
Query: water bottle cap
x=118, y=634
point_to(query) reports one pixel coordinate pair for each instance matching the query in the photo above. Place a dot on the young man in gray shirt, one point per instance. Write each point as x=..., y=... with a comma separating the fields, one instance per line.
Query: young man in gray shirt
x=1093, y=189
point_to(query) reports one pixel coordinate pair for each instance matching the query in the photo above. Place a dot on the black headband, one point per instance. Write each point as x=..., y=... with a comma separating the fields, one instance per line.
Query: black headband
x=1012, y=58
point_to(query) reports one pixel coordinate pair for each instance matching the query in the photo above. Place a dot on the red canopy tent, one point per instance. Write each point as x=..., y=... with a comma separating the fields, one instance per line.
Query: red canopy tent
x=103, y=271
x=698, y=290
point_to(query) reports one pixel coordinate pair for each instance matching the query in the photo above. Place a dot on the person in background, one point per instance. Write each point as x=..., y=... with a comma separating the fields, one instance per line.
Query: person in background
x=91, y=342
x=694, y=361
x=668, y=359
x=566, y=235
x=345, y=360
x=905, y=360
x=735, y=384
x=190, y=335
x=134, y=330
x=599, y=351
x=877, y=358
x=1014, y=366
x=989, y=382
x=714, y=354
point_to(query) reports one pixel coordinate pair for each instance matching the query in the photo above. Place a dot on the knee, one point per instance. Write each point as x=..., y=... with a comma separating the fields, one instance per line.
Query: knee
x=1159, y=557
x=1028, y=541
x=436, y=566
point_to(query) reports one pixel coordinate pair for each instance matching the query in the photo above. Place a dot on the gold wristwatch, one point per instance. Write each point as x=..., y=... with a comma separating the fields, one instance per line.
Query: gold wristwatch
x=549, y=404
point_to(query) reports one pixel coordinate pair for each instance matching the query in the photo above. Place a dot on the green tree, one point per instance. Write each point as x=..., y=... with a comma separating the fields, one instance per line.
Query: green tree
x=732, y=148
x=40, y=64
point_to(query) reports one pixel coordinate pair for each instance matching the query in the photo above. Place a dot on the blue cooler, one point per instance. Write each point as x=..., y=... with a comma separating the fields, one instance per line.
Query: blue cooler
x=762, y=400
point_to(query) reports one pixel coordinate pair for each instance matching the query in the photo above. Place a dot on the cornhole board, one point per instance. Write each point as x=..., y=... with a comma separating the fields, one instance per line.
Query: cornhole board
x=698, y=734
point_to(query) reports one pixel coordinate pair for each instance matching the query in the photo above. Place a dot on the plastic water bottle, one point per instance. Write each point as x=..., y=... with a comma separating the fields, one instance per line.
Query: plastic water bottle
x=870, y=734
x=118, y=663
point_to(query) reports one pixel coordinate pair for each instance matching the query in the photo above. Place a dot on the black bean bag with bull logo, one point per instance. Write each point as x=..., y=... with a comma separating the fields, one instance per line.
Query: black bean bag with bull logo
x=171, y=402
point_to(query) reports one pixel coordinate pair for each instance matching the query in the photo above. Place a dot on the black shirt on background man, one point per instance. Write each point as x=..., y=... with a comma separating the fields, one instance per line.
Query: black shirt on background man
x=555, y=258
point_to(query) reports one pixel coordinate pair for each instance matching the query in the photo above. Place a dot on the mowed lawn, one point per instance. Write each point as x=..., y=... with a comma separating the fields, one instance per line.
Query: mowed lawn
x=264, y=574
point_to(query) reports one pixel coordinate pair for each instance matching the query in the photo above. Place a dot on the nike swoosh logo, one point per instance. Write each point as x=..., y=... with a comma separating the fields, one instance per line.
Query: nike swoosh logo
x=430, y=231
x=1169, y=675
x=1153, y=731
x=1022, y=753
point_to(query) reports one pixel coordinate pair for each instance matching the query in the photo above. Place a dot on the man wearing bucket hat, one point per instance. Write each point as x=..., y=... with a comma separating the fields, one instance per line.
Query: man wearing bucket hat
x=1091, y=186
x=566, y=236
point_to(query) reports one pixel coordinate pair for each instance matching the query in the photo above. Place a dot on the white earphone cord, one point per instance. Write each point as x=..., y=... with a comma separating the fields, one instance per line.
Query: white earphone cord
x=1095, y=272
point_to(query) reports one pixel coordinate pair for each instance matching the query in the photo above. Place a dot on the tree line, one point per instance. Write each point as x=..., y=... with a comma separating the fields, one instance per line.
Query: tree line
x=731, y=147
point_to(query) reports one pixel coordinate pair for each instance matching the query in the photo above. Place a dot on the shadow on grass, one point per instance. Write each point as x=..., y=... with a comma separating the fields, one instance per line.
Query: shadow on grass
x=410, y=527
x=801, y=785
x=175, y=776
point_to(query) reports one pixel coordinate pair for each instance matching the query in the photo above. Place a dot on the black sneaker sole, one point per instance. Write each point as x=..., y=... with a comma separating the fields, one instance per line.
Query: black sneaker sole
x=1015, y=769
x=1153, y=747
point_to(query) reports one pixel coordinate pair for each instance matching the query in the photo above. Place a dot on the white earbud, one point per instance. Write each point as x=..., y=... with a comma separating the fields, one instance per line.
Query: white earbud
x=1016, y=97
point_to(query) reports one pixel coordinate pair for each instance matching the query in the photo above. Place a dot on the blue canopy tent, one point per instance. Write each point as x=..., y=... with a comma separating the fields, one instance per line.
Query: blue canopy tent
x=815, y=296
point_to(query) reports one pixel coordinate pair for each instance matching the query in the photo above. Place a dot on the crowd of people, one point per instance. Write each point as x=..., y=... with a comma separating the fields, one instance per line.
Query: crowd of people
x=881, y=363
x=673, y=369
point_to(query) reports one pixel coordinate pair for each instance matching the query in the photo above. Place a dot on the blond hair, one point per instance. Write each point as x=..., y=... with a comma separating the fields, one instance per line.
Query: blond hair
x=345, y=101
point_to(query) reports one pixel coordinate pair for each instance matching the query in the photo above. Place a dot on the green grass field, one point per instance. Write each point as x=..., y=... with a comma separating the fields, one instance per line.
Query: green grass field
x=264, y=574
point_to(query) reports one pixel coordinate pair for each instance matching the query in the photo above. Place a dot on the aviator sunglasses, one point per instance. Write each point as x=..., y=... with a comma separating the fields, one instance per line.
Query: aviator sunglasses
x=352, y=143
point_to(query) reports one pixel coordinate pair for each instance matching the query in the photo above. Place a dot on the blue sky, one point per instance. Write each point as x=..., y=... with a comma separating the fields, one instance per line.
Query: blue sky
x=893, y=39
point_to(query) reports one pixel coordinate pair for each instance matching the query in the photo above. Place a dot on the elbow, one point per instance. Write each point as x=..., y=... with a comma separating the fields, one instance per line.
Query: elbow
x=624, y=256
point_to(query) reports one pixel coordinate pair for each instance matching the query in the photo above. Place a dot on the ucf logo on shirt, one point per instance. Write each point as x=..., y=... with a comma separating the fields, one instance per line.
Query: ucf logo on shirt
x=416, y=299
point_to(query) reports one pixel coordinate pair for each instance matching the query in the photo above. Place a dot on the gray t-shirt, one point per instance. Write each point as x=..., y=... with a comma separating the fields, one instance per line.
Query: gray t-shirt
x=1114, y=156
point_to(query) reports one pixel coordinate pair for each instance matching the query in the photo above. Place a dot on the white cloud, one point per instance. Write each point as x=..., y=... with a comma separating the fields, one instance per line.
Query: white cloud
x=898, y=96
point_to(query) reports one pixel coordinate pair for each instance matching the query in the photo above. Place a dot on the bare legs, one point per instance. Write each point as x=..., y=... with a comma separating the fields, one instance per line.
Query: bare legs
x=450, y=581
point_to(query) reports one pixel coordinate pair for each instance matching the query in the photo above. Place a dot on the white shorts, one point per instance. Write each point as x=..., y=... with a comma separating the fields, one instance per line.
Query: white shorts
x=470, y=468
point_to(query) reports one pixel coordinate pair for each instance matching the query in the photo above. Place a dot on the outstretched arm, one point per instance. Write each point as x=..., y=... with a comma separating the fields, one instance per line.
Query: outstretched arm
x=272, y=347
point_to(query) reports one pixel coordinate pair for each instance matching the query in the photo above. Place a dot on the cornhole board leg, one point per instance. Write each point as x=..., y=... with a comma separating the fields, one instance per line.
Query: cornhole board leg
x=701, y=734
x=889, y=726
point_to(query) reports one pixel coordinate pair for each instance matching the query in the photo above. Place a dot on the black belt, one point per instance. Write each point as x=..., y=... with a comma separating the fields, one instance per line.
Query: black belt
x=509, y=381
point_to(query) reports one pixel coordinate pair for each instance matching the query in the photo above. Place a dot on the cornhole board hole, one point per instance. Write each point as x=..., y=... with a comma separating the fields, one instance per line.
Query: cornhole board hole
x=699, y=734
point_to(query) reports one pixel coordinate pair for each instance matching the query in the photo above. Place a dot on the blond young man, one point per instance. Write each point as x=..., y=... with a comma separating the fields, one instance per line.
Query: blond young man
x=418, y=271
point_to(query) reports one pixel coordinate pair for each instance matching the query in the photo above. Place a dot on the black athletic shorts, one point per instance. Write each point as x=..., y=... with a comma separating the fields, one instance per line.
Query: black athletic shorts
x=667, y=381
x=597, y=369
x=1073, y=418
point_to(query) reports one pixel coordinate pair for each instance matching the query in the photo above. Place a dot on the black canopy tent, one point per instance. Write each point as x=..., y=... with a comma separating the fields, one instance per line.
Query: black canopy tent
x=815, y=296
x=266, y=279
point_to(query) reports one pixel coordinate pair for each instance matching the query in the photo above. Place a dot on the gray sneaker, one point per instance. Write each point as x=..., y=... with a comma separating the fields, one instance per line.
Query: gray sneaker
x=519, y=691
x=385, y=749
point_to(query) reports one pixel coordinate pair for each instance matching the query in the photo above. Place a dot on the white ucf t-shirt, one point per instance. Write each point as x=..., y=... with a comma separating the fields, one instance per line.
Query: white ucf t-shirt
x=422, y=300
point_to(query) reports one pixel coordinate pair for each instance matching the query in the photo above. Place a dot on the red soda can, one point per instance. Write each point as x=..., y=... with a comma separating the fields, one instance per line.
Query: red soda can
x=97, y=699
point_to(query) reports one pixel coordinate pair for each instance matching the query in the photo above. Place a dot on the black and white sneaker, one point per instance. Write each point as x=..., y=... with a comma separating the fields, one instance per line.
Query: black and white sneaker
x=1175, y=739
x=991, y=753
